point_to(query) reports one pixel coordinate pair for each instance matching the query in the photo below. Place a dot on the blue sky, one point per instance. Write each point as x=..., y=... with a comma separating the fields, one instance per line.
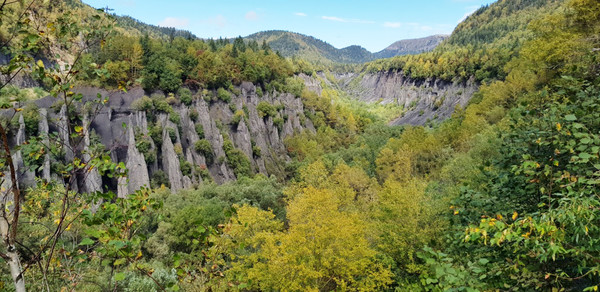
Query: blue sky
x=373, y=24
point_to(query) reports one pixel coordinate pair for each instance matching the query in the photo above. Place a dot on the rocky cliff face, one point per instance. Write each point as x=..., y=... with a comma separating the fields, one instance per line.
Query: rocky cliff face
x=210, y=139
x=424, y=100
x=172, y=156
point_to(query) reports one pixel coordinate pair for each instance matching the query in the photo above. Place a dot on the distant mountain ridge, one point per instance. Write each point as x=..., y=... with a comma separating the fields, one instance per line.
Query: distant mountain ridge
x=291, y=44
x=411, y=46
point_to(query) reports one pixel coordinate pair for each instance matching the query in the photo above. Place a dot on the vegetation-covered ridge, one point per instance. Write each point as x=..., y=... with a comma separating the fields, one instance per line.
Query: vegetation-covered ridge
x=479, y=48
x=320, y=53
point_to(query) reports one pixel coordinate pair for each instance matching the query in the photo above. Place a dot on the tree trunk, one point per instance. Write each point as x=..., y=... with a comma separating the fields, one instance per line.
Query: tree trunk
x=9, y=231
x=15, y=270
x=12, y=258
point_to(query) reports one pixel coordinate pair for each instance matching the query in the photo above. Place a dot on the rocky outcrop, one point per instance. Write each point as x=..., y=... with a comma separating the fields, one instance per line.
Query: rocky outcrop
x=170, y=163
x=92, y=181
x=219, y=170
x=137, y=168
x=23, y=175
x=130, y=137
x=424, y=100
x=64, y=133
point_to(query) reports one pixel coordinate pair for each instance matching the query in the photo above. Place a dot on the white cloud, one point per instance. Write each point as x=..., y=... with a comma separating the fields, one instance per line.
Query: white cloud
x=392, y=24
x=251, y=15
x=300, y=14
x=174, y=22
x=338, y=19
x=218, y=20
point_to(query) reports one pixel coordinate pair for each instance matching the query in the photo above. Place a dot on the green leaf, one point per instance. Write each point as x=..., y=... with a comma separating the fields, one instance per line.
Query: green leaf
x=119, y=276
x=119, y=262
x=118, y=244
x=86, y=242
x=570, y=118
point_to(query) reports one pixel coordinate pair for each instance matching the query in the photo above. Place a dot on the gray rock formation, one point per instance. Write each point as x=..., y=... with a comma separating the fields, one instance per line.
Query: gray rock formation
x=312, y=84
x=424, y=100
x=221, y=173
x=241, y=139
x=170, y=163
x=92, y=182
x=215, y=118
x=26, y=176
x=63, y=134
x=137, y=174
x=187, y=182
x=189, y=138
x=122, y=190
x=23, y=175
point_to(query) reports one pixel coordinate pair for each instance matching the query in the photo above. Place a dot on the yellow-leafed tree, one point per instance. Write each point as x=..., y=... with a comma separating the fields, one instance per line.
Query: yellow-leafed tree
x=323, y=249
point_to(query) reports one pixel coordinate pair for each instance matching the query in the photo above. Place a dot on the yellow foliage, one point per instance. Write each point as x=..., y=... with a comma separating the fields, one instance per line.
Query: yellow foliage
x=324, y=249
x=404, y=221
x=397, y=166
x=416, y=153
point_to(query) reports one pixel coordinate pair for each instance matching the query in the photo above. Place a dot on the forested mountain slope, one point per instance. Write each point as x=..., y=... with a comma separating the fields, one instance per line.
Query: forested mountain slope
x=430, y=86
x=479, y=47
x=308, y=48
x=291, y=44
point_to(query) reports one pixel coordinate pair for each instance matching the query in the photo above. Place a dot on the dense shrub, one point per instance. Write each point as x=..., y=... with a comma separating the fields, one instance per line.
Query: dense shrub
x=172, y=134
x=236, y=159
x=160, y=178
x=194, y=115
x=238, y=117
x=278, y=122
x=204, y=147
x=223, y=95
x=200, y=131
x=185, y=95
x=266, y=109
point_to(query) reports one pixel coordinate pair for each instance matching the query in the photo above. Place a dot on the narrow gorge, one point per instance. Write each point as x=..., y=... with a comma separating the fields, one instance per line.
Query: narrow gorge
x=218, y=135
x=423, y=100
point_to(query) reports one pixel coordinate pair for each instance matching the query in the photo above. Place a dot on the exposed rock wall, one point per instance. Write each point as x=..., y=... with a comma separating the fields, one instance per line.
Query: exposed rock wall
x=424, y=100
x=170, y=163
x=122, y=129
x=92, y=181
x=136, y=164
